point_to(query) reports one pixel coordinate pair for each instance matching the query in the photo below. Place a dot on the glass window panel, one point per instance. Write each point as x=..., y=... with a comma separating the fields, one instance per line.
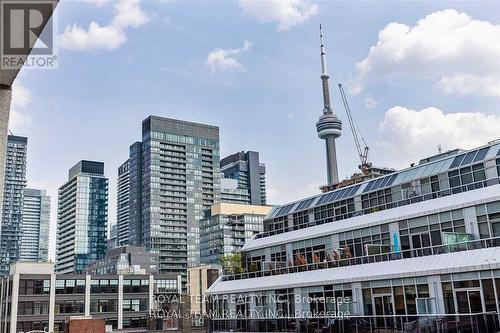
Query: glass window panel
x=400, y=177
x=489, y=295
x=428, y=170
x=457, y=161
x=391, y=180
x=443, y=166
x=369, y=186
x=481, y=154
x=469, y=157
x=494, y=151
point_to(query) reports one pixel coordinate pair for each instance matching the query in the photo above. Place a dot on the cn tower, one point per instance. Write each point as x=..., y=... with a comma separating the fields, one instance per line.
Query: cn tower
x=329, y=127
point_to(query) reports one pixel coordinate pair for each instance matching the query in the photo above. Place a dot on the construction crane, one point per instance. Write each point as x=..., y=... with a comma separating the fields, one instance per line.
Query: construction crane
x=365, y=166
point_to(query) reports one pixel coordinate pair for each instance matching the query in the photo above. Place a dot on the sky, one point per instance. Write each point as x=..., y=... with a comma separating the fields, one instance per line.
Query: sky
x=417, y=75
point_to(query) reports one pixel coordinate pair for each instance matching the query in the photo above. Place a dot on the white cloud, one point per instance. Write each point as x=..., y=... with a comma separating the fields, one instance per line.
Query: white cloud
x=408, y=134
x=18, y=121
x=96, y=37
x=21, y=97
x=370, y=103
x=461, y=54
x=128, y=13
x=98, y=3
x=290, y=115
x=287, y=13
x=224, y=60
x=462, y=84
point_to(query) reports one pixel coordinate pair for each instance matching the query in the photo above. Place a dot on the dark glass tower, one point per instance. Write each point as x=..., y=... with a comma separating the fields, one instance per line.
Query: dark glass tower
x=246, y=168
x=123, y=204
x=135, y=194
x=82, y=218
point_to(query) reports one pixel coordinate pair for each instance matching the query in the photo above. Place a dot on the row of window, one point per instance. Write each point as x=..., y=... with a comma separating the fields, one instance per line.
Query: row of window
x=464, y=179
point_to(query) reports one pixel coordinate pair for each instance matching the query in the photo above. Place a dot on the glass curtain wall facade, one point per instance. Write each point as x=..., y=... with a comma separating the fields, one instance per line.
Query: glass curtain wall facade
x=35, y=226
x=135, y=236
x=82, y=220
x=123, y=204
x=246, y=168
x=12, y=215
x=180, y=179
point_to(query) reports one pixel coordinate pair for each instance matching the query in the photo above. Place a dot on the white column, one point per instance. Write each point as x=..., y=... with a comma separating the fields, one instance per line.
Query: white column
x=490, y=168
x=14, y=301
x=120, y=302
x=2, y=296
x=179, y=284
x=436, y=292
x=267, y=253
x=6, y=304
x=52, y=301
x=470, y=218
x=87, y=294
x=5, y=98
x=289, y=252
x=297, y=298
x=357, y=297
x=151, y=292
x=335, y=241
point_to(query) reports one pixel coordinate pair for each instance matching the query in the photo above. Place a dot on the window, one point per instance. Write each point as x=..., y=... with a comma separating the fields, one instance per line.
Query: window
x=466, y=176
x=165, y=285
x=34, y=287
x=301, y=219
x=135, y=305
x=62, y=307
x=103, y=305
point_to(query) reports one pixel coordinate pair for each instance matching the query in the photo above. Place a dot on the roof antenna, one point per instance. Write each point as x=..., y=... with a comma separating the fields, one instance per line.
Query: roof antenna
x=440, y=149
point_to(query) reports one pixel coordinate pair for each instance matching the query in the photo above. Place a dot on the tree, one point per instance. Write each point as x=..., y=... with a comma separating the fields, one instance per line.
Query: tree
x=232, y=263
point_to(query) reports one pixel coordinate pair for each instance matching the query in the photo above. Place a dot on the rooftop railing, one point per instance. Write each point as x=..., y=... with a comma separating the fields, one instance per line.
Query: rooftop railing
x=486, y=322
x=389, y=256
x=407, y=201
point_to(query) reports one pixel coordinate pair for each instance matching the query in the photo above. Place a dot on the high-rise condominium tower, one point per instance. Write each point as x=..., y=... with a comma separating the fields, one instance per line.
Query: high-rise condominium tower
x=35, y=226
x=122, y=204
x=246, y=168
x=82, y=217
x=15, y=183
x=180, y=178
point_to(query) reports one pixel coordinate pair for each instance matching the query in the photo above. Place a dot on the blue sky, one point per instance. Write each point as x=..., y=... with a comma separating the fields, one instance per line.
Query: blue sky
x=418, y=74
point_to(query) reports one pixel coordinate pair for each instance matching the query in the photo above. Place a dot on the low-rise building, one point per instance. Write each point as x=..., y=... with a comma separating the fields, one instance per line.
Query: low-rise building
x=226, y=227
x=125, y=260
x=33, y=298
x=416, y=250
x=200, y=278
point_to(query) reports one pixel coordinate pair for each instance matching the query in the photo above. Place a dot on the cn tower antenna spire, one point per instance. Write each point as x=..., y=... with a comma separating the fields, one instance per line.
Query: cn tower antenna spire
x=327, y=109
x=329, y=127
